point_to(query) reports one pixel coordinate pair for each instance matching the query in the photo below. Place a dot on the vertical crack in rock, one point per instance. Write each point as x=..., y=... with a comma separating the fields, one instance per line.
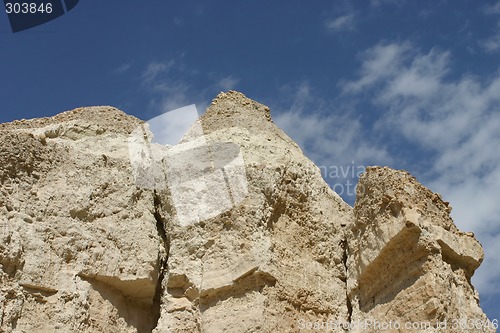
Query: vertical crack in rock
x=395, y=256
x=162, y=258
x=344, y=246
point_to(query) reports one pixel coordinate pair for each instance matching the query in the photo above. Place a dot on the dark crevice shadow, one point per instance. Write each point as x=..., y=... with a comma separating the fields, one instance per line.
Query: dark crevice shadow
x=162, y=260
x=136, y=312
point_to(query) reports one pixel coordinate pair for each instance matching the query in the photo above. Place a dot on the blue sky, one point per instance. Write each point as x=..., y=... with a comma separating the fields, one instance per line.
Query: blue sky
x=412, y=85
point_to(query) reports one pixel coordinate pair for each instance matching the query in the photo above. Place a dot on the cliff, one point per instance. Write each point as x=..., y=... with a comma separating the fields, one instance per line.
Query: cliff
x=232, y=230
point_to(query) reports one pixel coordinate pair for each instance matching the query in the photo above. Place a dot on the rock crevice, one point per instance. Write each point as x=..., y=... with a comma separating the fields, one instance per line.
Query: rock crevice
x=161, y=224
x=232, y=230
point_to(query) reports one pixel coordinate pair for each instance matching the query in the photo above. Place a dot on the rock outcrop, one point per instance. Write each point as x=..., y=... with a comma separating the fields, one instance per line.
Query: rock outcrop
x=232, y=230
x=407, y=260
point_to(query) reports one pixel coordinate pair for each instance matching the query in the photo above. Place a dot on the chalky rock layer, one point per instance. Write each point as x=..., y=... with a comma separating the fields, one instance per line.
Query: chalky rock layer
x=408, y=262
x=275, y=257
x=79, y=249
x=86, y=248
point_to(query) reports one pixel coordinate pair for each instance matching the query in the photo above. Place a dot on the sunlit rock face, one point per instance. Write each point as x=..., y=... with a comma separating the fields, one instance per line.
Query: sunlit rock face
x=105, y=228
x=408, y=261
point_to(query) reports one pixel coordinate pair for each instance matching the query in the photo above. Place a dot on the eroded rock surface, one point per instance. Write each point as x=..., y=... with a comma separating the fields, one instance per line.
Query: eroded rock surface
x=408, y=262
x=87, y=248
x=275, y=257
x=80, y=249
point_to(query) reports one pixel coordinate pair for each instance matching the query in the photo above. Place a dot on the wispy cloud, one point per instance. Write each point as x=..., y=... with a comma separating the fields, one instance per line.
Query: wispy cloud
x=174, y=94
x=341, y=23
x=492, y=43
x=455, y=121
x=228, y=83
x=379, y=62
x=329, y=134
x=332, y=137
x=154, y=69
x=171, y=85
x=377, y=3
x=492, y=9
x=178, y=21
x=123, y=67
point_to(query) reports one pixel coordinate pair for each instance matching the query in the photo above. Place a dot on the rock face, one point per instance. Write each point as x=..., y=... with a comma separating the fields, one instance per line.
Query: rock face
x=407, y=260
x=89, y=246
x=80, y=249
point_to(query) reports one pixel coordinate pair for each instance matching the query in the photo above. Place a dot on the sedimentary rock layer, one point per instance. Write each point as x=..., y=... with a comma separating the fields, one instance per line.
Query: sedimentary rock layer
x=232, y=230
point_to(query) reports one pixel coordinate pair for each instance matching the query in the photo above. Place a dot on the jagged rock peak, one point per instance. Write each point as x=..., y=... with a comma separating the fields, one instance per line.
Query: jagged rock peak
x=237, y=233
x=394, y=189
x=233, y=108
x=235, y=98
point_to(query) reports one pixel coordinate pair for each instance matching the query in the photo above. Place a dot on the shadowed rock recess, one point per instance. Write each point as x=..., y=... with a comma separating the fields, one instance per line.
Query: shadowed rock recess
x=85, y=249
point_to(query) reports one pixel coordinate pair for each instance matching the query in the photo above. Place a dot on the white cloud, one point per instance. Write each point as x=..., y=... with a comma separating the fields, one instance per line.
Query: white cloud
x=380, y=62
x=492, y=43
x=456, y=122
x=228, y=83
x=173, y=94
x=421, y=79
x=341, y=23
x=170, y=84
x=492, y=9
x=332, y=137
x=156, y=68
x=178, y=21
x=378, y=3
x=123, y=67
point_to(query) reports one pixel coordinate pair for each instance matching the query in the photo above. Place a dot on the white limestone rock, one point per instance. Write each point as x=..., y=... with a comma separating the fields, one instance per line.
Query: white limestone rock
x=232, y=230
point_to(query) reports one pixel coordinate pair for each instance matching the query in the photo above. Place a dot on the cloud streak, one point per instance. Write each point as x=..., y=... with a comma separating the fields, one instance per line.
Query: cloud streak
x=154, y=69
x=333, y=138
x=228, y=83
x=455, y=123
x=170, y=84
x=341, y=23
x=492, y=43
x=492, y=9
x=379, y=62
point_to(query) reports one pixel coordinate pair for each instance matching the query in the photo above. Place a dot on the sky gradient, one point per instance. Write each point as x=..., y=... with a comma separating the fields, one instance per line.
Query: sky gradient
x=411, y=85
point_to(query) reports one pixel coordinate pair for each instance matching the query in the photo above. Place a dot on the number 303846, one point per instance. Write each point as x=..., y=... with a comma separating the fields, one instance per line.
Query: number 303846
x=28, y=8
